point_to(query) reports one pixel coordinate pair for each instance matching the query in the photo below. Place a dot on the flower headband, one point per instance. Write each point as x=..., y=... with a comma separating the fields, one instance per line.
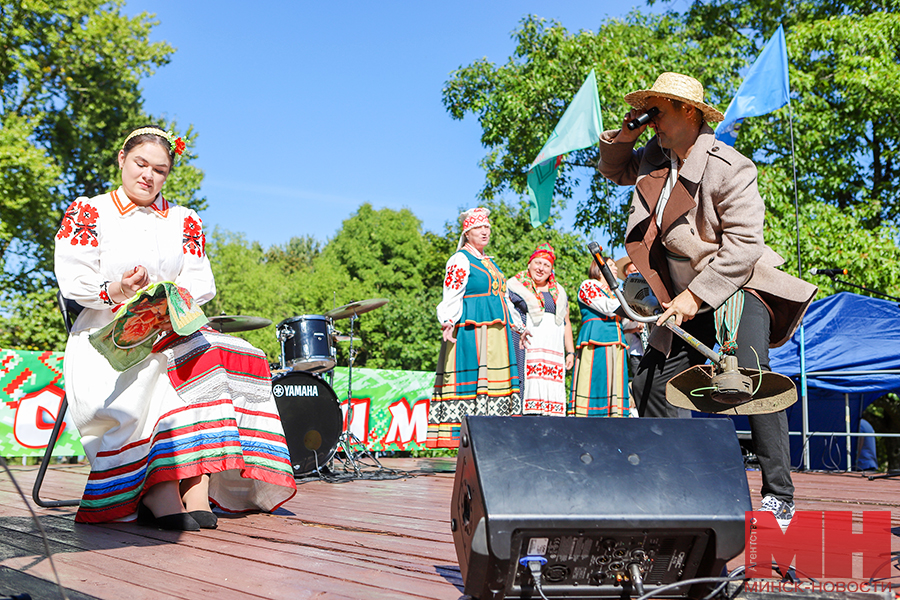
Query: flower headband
x=176, y=145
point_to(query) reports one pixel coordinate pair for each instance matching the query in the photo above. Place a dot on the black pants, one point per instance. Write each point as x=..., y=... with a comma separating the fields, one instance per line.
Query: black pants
x=769, y=432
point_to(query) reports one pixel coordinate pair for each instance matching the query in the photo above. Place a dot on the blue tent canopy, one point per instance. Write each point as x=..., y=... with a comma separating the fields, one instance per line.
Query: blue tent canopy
x=846, y=332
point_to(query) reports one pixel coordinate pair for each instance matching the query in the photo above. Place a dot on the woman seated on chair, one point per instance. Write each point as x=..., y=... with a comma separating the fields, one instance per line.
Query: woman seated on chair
x=157, y=451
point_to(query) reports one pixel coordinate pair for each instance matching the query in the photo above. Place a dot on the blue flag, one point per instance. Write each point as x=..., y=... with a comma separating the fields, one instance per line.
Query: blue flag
x=766, y=88
x=579, y=127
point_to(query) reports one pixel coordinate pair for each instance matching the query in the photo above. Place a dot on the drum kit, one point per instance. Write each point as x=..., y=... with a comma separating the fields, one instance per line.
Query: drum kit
x=310, y=411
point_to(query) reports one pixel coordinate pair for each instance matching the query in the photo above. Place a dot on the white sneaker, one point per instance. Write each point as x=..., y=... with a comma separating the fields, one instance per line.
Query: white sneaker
x=783, y=511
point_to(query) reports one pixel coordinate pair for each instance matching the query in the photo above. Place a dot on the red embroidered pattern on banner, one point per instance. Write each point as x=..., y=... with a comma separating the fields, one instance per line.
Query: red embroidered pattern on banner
x=194, y=241
x=80, y=222
x=455, y=277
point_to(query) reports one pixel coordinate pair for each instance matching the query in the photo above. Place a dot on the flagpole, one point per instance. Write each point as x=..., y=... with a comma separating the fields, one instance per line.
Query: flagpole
x=804, y=398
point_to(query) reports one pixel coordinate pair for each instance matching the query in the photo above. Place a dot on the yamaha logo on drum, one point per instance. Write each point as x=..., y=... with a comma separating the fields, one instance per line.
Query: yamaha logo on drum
x=295, y=390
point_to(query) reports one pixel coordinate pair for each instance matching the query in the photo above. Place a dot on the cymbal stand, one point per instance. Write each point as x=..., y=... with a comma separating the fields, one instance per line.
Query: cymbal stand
x=347, y=439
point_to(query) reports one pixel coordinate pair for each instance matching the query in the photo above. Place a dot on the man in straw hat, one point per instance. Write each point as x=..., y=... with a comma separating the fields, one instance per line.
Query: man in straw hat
x=695, y=233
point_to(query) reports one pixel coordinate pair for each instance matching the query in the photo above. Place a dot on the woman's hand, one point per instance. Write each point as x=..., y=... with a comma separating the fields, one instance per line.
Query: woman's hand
x=447, y=332
x=524, y=339
x=570, y=360
x=634, y=327
x=134, y=280
x=683, y=308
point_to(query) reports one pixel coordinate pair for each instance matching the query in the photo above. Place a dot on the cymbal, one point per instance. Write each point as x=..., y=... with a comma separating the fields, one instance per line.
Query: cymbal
x=235, y=323
x=356, y=308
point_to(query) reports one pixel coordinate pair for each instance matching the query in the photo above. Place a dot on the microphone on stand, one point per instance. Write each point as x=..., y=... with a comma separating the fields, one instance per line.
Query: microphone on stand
x=829, y=272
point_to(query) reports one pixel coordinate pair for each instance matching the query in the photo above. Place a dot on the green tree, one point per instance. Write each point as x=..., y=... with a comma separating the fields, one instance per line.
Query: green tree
x=251, y=284
x=519, y=103
x=377, y=254
x=843, y=58
x=69, y=92
x=842, y=64
x=37, y=323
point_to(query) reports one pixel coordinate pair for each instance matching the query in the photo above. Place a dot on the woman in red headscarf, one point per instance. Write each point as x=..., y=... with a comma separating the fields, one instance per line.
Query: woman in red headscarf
x=551, y=350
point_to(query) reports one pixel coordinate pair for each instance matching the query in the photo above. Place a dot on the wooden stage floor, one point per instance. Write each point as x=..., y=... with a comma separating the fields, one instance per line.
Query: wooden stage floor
x=360, y=540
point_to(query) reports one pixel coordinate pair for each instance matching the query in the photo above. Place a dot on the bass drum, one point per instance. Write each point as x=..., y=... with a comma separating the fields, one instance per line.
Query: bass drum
x=311, y=417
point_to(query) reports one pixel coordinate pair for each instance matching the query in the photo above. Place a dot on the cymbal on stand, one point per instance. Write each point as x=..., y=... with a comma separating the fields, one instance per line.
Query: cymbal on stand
x=356, y=308
x=236, y=323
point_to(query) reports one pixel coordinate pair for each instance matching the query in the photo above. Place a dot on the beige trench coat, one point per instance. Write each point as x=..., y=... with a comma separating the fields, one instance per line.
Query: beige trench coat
x=714, y=217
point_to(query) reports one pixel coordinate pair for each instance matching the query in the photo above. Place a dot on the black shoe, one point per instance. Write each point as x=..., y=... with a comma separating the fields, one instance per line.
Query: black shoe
x=206, y=519
x=173, y=522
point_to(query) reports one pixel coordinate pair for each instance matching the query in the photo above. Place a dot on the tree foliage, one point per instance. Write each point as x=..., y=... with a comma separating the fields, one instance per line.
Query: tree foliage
x=519, y=103
x=843, y=62
x=376, y=254
x=70, y=75
x=69, y=93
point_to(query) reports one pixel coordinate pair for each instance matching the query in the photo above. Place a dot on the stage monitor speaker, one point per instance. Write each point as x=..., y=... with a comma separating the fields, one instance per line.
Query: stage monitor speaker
x=599, y=501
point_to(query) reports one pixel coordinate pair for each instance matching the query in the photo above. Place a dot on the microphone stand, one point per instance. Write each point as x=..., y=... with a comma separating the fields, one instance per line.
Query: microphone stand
x=834, y=278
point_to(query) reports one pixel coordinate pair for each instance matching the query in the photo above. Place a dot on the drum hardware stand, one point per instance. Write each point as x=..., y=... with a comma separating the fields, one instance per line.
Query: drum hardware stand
x=284, y=334
x=348, y=439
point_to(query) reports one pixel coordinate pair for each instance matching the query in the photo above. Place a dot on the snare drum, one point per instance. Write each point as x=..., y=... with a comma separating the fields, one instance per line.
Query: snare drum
x=311, y=417
x=307, y=343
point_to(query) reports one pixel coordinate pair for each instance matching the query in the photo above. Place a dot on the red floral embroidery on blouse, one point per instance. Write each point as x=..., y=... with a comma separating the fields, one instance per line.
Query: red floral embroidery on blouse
x=588, y=292
x=104, y=294
x=68, y=221
x=80, y=222
x=194, y=241
x=455, y=277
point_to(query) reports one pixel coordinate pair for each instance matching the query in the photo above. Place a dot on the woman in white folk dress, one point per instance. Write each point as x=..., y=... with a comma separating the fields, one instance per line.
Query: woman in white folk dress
x=551, y=350
x=194, y=422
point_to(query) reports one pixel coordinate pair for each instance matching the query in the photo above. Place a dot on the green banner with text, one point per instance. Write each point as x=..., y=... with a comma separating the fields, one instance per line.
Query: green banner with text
x=389, y=408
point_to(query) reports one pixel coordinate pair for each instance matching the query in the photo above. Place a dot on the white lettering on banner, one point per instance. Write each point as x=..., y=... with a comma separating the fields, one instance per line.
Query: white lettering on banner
x=35, y=416
x=359, y=426
x=407, y=424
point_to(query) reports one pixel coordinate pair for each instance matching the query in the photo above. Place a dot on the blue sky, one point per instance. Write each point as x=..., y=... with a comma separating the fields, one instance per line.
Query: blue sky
x=306, y=110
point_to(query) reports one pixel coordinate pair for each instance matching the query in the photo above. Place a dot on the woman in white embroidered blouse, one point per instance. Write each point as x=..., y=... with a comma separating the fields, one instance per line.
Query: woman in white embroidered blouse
x=160, y=447
x=476, y=372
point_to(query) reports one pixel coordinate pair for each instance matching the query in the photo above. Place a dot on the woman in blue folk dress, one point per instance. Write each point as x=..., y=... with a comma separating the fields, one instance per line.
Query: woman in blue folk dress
x=600, y=382
x=476, y=372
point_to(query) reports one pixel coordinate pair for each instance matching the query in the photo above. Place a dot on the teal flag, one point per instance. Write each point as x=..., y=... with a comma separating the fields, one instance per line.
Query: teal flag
x=580, y=127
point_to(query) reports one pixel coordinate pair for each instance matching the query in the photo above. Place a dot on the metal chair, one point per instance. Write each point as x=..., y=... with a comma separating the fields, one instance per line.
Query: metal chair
x=69, y=310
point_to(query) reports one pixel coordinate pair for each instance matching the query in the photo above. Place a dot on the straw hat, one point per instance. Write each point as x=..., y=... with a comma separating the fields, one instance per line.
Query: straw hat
x=675, y=86
x=621, y=264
